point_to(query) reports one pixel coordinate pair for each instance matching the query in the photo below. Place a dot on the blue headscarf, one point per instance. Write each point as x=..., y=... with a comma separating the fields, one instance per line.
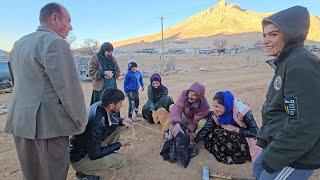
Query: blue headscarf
x=228, y=100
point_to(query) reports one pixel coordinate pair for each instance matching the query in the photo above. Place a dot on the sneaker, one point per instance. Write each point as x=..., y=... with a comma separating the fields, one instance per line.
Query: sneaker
x=81, y=176
x=135, y=119
x=138, y=114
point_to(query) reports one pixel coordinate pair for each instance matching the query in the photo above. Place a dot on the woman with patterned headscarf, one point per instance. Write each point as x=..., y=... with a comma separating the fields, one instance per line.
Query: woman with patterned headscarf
x=103, y=70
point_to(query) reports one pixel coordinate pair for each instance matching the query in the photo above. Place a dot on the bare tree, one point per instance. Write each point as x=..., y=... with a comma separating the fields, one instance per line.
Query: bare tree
x=90, y=46
x=71, y=39
x=220, y=44
x=258, y=45
x=165, y=66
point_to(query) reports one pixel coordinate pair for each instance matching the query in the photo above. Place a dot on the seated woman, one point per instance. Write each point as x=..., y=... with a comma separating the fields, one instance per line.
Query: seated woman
x=230, y=131
x=157, y=98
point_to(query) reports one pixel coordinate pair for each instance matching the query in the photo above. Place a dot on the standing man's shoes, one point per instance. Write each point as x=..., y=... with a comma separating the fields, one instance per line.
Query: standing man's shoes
x=81, y=176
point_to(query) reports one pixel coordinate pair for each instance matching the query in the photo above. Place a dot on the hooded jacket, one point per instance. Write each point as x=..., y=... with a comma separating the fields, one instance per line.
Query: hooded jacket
x=133, y=81
x=290, y=114
x=194, y=111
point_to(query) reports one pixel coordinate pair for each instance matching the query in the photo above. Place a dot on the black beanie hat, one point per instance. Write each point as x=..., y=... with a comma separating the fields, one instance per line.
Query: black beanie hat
x=132, y=64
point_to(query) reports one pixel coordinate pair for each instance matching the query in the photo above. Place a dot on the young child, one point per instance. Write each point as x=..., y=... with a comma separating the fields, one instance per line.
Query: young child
x=132, y=83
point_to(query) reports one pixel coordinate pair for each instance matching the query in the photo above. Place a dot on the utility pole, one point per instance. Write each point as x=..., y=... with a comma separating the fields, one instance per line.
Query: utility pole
x=162, y=45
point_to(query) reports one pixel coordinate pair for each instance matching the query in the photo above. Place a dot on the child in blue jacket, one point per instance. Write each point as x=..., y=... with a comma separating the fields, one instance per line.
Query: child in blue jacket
x=132, y=83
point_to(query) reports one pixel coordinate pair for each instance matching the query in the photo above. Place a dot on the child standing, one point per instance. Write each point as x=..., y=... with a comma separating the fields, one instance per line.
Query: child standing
x=132, y=83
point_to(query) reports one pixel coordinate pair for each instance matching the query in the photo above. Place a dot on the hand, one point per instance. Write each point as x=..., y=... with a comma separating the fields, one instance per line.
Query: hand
x=231, y=128
x=126, y=142
x=120, y=78
x=192, y=143
x=176, y=129
x=108, y=74
x=192, y=136
x=214, y=117
x=127, y=122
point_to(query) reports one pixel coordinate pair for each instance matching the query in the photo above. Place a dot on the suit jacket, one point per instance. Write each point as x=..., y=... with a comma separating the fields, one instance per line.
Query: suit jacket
x=47, y=99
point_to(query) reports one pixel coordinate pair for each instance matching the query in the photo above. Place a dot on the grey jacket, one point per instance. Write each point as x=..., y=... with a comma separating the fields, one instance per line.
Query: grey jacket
x=47, y=99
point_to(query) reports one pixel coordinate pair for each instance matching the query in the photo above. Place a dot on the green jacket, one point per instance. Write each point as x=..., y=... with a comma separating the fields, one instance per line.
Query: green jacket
x=291, y=117
x=153, y=102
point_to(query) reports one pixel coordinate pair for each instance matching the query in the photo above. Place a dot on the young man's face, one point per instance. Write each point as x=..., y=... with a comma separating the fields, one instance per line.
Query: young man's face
x=192, y=97
x=134, y=69
x=108, y=53
x=273, y=39
x=155, y=84
x=116, y=106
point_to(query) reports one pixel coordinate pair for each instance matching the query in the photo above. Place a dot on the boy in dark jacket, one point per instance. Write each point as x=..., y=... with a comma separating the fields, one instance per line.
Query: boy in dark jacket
x=132, y=82
x=290, y=135
x=93, y=152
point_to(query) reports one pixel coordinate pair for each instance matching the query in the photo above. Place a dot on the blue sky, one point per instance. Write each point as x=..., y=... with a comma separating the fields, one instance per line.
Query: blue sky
x=122, y=19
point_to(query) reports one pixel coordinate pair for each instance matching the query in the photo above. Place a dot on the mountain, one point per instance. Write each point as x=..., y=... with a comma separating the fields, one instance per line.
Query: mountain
x=3, y=53
x=221, y=19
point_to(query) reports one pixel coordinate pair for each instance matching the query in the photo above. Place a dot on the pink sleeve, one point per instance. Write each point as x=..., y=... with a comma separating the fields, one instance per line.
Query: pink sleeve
x=197, y=117
x=202, y=113
x=176, y=111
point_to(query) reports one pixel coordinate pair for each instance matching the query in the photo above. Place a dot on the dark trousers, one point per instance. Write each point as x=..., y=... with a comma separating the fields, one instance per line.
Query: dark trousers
x=133, y=97
x=43, y=158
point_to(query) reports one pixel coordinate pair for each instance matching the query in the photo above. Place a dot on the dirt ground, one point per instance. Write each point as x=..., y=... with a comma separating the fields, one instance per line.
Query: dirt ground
x=247, y=78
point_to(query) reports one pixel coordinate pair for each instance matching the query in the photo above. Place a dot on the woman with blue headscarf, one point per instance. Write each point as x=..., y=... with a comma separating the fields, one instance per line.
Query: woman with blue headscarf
x=103, y=70
x=230, y=130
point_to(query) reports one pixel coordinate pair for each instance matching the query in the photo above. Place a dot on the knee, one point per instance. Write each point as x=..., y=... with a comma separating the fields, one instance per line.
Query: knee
x=119, y=160
x=122, y=161
x=201, y=124
x=257, y=169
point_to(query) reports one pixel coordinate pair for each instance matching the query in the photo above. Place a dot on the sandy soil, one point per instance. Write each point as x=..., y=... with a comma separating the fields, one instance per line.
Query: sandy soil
x=237, y=74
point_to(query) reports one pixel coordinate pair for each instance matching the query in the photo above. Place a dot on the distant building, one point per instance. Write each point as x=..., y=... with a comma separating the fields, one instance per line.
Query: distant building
x=315, y=48
x=203, y=52
x=146, y=51
x=176, y=51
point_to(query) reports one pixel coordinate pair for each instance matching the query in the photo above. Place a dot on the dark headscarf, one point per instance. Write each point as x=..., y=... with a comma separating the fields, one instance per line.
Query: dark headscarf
x=156, y=77
x=106, y=63
x=132, y=64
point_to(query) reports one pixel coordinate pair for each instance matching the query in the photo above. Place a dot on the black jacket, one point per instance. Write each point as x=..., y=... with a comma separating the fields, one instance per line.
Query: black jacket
x=290, y=114
x=97, y=130
x=250, y=131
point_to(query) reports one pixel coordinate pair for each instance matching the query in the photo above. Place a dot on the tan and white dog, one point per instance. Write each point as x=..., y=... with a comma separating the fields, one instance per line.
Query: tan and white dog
x=161, y=116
